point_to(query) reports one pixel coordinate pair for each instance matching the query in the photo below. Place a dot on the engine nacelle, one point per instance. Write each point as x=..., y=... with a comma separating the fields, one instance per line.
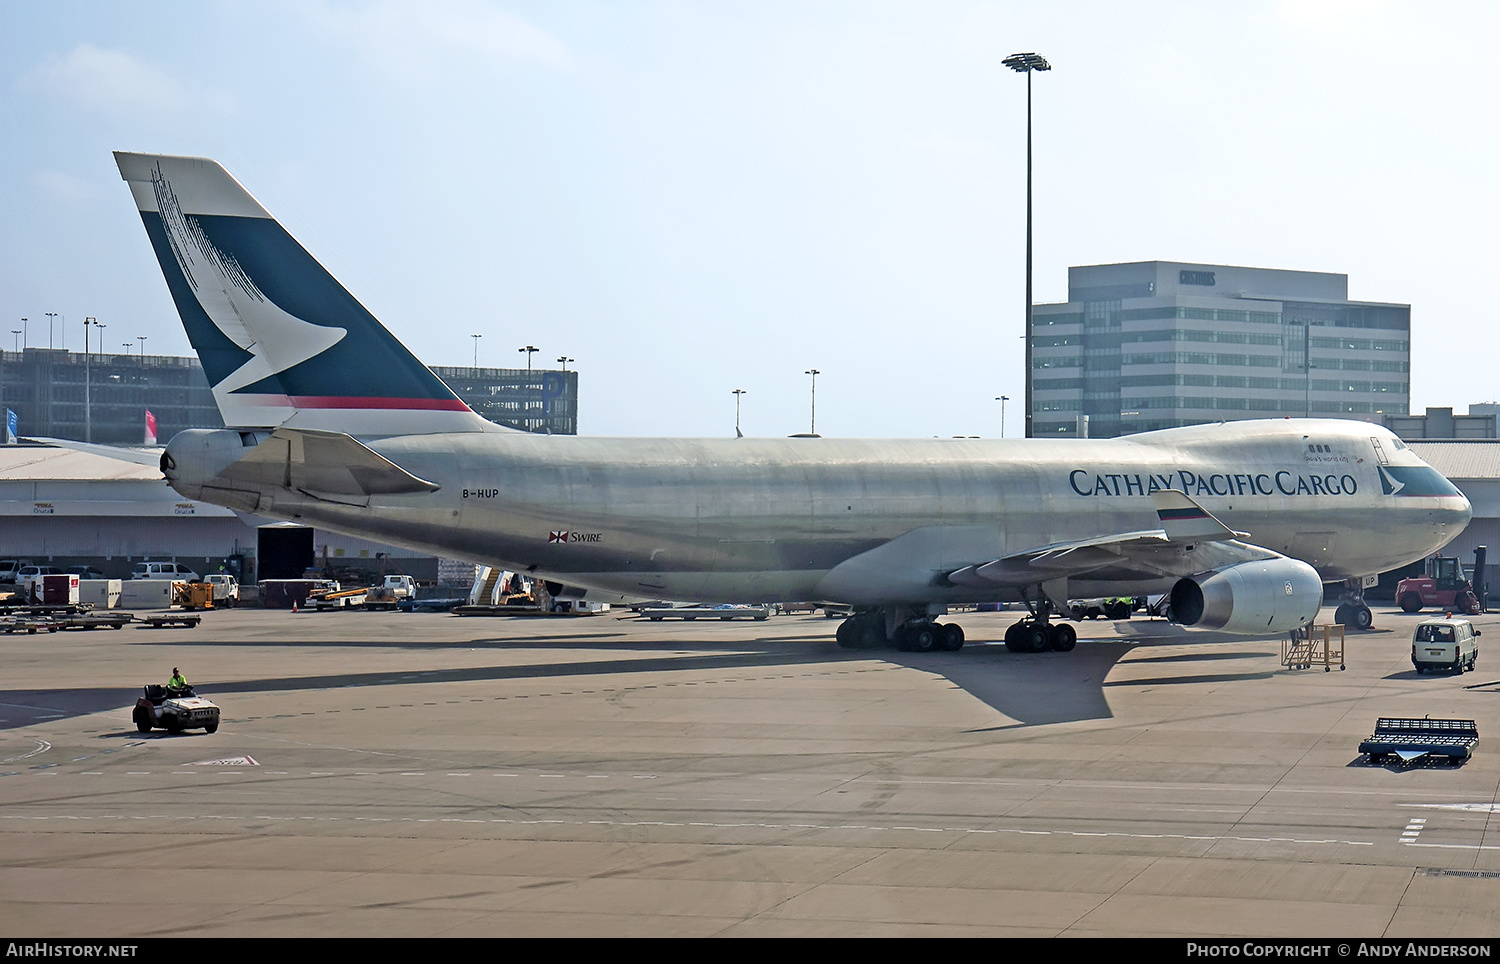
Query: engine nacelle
x=196, y=455
x=1251, y=598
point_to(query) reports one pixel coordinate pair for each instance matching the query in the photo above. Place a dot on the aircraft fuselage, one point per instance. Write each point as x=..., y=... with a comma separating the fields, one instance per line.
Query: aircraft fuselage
x=741, y=520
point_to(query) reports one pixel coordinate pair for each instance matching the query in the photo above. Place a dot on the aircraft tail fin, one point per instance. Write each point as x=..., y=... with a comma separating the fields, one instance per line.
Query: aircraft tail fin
x=281, y=341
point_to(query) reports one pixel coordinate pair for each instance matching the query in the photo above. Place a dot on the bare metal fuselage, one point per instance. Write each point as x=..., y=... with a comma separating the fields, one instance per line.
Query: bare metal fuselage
x=873, y=521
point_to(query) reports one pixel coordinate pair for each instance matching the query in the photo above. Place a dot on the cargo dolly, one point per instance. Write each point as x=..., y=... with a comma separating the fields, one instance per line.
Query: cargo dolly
x=689, y=613
x=1411, y=740
x=163, y=620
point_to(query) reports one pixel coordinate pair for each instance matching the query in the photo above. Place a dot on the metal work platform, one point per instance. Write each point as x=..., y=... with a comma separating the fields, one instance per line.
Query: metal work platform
x=1314, y=646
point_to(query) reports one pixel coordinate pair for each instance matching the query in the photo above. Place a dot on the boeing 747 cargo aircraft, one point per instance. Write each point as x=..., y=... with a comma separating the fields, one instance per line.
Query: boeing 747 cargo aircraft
x=334, y=423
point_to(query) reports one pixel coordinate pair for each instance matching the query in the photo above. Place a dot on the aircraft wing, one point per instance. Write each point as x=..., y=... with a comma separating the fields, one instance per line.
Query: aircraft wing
x=1190, y=540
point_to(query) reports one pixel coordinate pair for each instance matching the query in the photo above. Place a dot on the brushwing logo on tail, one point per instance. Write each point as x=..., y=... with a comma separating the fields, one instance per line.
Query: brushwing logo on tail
x=233, y=302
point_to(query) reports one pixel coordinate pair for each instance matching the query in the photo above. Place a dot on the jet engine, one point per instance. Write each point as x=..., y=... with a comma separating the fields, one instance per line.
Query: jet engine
x=1270, y=596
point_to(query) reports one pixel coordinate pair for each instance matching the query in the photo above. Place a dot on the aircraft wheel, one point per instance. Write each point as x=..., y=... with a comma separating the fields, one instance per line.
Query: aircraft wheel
x=1013, y=637
x=1064, y=638
x=922, y=638
x=1037, y=639
x=1410, y=602
x=1341, y=614
x=845, y=634
x=953, y=637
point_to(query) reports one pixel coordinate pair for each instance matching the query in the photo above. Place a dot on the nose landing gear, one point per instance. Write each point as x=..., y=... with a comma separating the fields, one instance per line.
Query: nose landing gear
x=1353, y=612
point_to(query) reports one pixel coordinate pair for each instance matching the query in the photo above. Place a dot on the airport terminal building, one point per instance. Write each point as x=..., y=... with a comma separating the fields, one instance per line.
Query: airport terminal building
x=1160, y=344
x=102, y=397
x=62, y=507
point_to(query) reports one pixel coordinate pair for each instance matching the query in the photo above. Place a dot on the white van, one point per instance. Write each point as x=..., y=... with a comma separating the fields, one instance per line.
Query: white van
x=163, y=570
x=1451, y=644
x=11, y=568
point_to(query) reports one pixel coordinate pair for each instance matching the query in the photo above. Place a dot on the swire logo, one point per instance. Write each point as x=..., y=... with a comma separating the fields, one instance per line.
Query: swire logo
x=567, y=535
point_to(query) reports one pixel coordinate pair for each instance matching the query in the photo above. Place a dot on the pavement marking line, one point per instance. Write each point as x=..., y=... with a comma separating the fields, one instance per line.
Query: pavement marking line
x=42, y=746
x=721, y=826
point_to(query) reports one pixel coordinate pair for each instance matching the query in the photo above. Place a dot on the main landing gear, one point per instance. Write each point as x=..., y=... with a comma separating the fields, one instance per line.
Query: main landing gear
x=1037, y=634
x=917, y=634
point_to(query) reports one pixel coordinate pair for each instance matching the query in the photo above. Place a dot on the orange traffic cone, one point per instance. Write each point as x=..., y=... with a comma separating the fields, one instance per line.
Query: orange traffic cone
x=294, y=605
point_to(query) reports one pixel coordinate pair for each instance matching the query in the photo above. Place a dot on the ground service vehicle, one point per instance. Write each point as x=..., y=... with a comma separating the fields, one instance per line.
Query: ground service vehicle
x=391, y=591
x=163, y=570
x=1113, y=608
x=174, y=710
x=333, y=422
x=193, y=595
x=226, y=589
x=1451, y=644
x=1444, y=585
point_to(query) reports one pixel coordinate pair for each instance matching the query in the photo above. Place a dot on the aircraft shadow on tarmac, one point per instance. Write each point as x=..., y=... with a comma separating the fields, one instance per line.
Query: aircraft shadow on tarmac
x=1031, y=689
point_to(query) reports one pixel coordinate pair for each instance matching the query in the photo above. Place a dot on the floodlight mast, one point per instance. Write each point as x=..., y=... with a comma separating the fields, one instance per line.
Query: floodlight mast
x=1025, y=64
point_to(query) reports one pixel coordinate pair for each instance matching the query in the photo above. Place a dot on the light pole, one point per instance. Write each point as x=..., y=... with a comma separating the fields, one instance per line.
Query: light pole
x=563, y=360
x=812, y=426
x=51, y=317
x=17, y=333
x=88, y=381
x=529, y=350
x=126, y=345
x=142, y=340
x=737, y=393
x=476, y=353
x=25, y=333
x=1026, y=64
x=1002, y=399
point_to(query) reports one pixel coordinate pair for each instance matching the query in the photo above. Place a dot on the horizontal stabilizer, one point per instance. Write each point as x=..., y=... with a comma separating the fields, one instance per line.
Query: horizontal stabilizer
x=140, y=456
x=326, y=465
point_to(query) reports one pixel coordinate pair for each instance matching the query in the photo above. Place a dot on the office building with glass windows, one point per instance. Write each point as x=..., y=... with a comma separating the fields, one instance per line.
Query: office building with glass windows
x=1158, y=344
x=104, y=397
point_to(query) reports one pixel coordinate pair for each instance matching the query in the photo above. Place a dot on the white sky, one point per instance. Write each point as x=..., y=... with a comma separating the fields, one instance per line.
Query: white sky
x=690, y=198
